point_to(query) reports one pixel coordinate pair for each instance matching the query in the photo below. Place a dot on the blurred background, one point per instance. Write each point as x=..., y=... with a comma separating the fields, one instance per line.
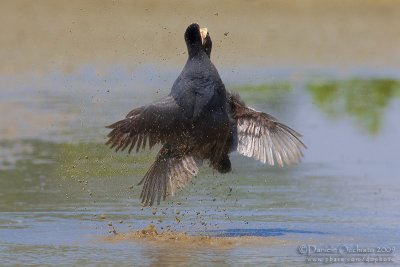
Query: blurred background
x=328, y=69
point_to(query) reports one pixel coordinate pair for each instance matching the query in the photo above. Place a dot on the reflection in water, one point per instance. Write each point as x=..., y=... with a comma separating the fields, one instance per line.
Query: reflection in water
x=364, y=100
x=270, y=92
x=171, y=248
x=84, y=160
x=52, y=193
x=259, y=232
x=26, y=174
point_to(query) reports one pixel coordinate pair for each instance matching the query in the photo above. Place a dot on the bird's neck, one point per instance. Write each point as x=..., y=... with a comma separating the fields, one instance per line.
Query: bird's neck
x=195, y=51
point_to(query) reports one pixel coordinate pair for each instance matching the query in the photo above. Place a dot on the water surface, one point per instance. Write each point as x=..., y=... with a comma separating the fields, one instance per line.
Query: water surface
x=329, y=70
x=62, y=189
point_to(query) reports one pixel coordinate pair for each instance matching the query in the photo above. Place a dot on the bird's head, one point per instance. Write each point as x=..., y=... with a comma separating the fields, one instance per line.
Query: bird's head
x=195, y=38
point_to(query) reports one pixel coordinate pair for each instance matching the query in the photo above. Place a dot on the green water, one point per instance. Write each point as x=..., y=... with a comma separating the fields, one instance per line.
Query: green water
x=57, y=178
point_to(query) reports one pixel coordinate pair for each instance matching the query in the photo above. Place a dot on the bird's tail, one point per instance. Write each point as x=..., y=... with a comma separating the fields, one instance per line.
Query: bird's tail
x=169, y=171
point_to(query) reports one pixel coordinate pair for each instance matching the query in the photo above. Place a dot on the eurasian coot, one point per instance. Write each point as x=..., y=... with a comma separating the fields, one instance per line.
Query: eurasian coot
x=199, y=121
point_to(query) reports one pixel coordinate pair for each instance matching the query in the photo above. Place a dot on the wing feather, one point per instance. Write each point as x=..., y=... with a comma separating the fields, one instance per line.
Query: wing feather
x=262, y=137
x=151, y=124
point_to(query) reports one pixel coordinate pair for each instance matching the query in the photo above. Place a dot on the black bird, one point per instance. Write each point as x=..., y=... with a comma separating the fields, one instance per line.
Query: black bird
x=199, y=121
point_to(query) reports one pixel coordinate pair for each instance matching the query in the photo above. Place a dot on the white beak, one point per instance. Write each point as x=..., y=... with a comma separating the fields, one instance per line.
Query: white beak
x=203, y=33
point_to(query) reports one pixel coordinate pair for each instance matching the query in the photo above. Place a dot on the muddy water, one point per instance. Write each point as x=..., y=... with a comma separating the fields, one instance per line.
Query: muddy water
x=67, y=199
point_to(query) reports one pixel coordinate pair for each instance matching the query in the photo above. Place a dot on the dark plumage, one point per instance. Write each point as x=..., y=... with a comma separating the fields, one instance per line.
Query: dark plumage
x=200, y=121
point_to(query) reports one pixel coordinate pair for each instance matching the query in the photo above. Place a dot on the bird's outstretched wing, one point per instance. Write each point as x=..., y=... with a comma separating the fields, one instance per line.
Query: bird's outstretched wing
x=168, y=173
x=261, y=136
x=155, y=123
